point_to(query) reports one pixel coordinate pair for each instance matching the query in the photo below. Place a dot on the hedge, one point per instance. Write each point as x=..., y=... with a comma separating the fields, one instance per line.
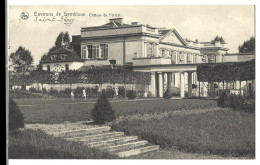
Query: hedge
x=241, y=71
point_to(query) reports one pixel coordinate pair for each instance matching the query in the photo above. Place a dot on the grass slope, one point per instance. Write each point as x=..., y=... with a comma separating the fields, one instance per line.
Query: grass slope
x=223, y=132
x=30, y=144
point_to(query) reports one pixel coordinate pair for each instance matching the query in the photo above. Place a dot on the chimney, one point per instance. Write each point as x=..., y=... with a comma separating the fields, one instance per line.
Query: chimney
x=118, y=20
x=134, y=23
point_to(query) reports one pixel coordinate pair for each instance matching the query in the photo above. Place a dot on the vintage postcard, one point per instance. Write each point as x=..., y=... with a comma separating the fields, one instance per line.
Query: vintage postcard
x=131, y=82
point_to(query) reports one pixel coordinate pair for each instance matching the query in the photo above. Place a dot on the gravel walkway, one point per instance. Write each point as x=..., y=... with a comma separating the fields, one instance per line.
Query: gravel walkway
x=67, y=126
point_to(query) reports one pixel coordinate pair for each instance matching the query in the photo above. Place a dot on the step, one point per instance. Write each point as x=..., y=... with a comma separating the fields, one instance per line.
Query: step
x=124, y=154
x=81, y=132
x=96, y=137
x=125, y=146
x=113, y=141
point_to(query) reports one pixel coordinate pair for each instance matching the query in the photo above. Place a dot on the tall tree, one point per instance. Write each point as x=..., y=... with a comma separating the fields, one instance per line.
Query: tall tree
x=21, y=60
x=59, y=40
x=248, y=46
x=66, y=38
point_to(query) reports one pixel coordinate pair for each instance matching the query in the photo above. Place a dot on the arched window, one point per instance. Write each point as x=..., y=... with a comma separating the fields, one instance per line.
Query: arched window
x=66, y=67
x=48, y=68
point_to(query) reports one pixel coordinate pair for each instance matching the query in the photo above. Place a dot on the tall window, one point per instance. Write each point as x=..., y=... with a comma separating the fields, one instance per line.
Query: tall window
x=97, y=51
x=104, y=50
x=83, y=52
x=94, y=51
x=173, y=56
x=162, y=53
x=150, y=50
x=181, y=57
x=89, y=51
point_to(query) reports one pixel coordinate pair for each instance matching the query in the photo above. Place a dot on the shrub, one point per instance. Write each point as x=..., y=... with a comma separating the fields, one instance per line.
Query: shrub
x=131, y=94
x=78, y=92
x=65, y=92
x=109, y=92
x=53, y=92
x=15, y=116
x=102, y=111
x=44, y=90
x=32, y=89
x=121, y=91
x=223, y=100
x=167, y=94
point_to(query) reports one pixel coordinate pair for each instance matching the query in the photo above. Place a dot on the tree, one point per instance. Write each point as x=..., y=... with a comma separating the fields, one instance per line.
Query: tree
x=103, y=111
x=16, y=119
x=248, y=46
x=59, y=40
x=66, y=38
x=21, y=60
x=217, y=38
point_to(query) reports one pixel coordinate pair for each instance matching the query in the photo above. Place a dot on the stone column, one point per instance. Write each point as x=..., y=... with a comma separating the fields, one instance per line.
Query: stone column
x=145, y=49
x=190, y=83
x=237, y=85
x=182, y=94
x=153, y=84
x=160, y=75
x=169, y=81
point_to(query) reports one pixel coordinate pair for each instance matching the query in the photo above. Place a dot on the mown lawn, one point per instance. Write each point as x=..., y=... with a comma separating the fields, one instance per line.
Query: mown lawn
x=58, y=111
x=223, y=132
x=31, y=144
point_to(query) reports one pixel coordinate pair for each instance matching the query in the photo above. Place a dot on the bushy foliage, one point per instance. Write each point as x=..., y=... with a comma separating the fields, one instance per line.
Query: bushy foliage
x=248, y=46
x=121, y=91
x=236, y=102
x=102, y=111
x=109, y=92
x=167, y=94
x=223, y=100
x=244, y=103
x=65, y=93
x=131, y=94
x=53, y=92
x=15, y=116
x=226, y=71
x=32, y=89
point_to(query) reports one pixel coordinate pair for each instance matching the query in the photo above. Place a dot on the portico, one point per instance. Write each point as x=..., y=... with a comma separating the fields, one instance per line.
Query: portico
x=167, y=77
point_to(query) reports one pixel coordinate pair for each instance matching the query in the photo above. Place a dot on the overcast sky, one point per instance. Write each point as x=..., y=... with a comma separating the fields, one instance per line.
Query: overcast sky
x=234, y=23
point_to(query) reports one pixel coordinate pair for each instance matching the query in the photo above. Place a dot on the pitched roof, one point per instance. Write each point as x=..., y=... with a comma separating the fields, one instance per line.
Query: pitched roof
x=61, y=50
x=61, y=55
x=165, y=33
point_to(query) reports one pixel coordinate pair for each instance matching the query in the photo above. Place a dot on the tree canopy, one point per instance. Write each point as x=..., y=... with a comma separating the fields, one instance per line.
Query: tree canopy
x=92, y=76
x=21, y=60
x=248, y=46
x=218, y=38
x=226, y=71
x=63, y=39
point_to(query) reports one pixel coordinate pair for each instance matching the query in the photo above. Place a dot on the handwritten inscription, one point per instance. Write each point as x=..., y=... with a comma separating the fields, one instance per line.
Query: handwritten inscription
x=65, y=17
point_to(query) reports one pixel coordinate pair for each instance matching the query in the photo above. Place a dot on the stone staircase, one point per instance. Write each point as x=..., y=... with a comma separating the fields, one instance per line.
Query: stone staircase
x=105, y=139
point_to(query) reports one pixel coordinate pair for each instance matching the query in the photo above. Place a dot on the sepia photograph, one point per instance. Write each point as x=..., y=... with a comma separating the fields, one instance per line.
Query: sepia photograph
x=131, y=82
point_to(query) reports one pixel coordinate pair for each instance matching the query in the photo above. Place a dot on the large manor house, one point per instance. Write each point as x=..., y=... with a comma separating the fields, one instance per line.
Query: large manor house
x=171, y=59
